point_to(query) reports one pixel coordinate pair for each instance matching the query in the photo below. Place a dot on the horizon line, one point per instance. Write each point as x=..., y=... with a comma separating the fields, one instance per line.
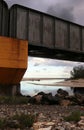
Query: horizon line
x=38, y=79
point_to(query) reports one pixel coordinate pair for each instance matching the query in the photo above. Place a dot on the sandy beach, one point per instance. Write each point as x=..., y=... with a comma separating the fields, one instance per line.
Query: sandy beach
x=67, y=83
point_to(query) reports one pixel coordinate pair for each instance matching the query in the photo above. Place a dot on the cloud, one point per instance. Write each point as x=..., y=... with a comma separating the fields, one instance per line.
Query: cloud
x=67, y=9
x=34, y=61
x=36, y=4
x=62, y=11
x=36, y=64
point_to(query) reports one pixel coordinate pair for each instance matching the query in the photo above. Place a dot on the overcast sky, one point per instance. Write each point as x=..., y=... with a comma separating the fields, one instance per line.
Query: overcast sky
x=49, y=68
x=72, y=10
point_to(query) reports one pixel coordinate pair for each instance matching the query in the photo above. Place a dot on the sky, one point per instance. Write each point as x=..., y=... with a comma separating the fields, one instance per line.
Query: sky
x=71, y=10
x=49, y=68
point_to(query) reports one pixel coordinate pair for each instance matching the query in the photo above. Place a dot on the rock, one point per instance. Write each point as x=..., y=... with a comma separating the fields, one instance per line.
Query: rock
x=82, y=117
x=72, y=126
x=49, y=99
x=41, y=117
x=67, y=125
x=72, y=99
x=65, y=102
x=62, y=93
x=42, y=98
x=38, y=99
x=80, y=98
x=50, y=123
x=59, y=128
x=43, y=125
x=46, y=98
x=32, y=100
x=41, y=93
x=48, y=128
x=81, y=123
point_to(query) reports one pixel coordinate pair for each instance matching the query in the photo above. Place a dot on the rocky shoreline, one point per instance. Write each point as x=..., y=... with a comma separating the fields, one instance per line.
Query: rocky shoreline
x=48, y=117
x=61, y=98
x=50, y=112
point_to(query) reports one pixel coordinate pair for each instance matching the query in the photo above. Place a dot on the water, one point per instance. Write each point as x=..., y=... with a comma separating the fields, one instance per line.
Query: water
x=33, y=87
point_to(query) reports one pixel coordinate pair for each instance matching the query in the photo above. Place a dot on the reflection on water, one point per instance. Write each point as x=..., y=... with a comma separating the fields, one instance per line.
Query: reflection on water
x=29, y=87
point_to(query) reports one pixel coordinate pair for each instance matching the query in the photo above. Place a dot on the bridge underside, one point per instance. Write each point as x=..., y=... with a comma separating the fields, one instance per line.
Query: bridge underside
x=37, y=51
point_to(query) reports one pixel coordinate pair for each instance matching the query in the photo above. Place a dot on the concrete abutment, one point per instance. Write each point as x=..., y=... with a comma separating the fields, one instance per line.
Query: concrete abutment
x=10, y=90
x=13, y=64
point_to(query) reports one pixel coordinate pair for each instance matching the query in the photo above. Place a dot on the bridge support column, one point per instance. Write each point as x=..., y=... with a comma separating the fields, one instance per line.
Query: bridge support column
x=10, y=90
x=13, y=64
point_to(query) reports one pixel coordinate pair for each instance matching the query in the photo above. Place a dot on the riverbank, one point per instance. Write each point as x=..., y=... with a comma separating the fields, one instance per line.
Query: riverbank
x=48, y=117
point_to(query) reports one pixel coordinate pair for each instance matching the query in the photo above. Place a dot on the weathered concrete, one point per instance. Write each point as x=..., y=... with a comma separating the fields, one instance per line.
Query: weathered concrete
x=10, y=90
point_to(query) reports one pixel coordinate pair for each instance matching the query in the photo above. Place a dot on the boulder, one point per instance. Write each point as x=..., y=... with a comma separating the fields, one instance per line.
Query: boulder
x=81, y=123
x=41, y=93
x=43, y=98
x=65, y=103
x=62, y=93
x=38, y=99
x=49, y=99
x=79, y=98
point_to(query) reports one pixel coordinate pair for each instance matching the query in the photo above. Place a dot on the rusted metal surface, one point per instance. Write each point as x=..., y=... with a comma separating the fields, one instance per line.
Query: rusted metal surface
x=4, y=17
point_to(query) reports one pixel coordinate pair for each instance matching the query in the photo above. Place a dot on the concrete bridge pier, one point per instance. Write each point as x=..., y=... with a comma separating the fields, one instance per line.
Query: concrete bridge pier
x=13, y=64
x=10, y=90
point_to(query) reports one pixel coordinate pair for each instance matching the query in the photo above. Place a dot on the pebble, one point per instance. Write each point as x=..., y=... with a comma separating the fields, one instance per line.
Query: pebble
x=48, y=128
x=49, y=117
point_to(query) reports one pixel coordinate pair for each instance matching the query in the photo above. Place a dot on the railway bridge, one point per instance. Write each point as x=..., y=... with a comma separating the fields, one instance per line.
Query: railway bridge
x=24, y=31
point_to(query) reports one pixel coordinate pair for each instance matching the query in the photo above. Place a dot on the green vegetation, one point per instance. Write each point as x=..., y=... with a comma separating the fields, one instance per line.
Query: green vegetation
x=18, y=121
x=2, y=123
x=13, y=100
x=74, y=116
x=25, y=120
x=77, y=72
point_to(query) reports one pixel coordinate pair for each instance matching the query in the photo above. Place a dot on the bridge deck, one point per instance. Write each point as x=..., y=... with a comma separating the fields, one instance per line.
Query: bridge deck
x=48, y=36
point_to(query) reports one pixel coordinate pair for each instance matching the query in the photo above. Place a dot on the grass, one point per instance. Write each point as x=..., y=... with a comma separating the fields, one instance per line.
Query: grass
x=74, y=116
x=25, y=120
x=13, y=100
x=2, y=123
x=18, y=121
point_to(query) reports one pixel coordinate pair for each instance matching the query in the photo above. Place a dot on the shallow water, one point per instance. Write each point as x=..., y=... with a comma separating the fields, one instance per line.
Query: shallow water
x=29, y=87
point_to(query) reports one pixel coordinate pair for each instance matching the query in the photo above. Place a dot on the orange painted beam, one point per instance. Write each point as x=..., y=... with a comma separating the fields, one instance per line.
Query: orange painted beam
x=13, y=60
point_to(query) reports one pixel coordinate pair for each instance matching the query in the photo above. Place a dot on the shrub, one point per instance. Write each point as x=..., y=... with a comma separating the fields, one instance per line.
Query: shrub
x=74, y=116
x=2, y=123
x=77, y=72
x=18, y=121
x=25, y=120
x=13, y=100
